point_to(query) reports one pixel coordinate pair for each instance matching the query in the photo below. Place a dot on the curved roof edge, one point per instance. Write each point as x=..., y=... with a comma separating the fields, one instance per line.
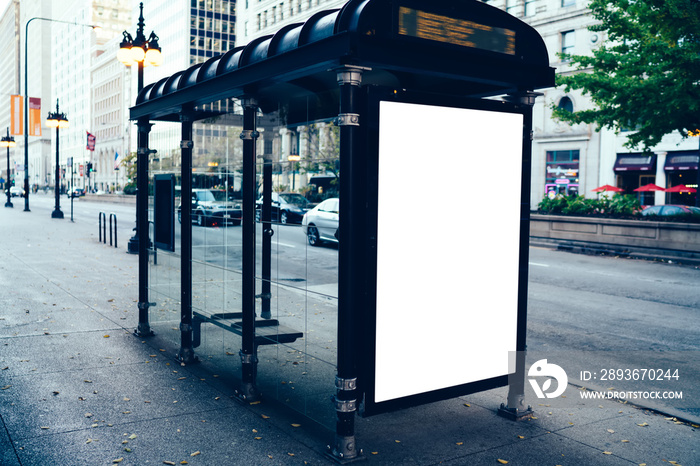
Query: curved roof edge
x=468, y=30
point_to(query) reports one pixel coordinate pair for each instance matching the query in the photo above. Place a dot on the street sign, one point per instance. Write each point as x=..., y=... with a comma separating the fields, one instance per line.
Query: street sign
x=81, y=168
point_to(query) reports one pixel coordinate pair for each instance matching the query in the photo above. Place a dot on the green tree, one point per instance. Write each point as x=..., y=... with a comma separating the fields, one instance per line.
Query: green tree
x=646, y=75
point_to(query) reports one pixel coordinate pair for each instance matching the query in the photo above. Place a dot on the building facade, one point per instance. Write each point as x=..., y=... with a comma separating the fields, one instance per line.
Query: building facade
x=111, y=99
x=257, y=18
x=575, y=159
x=74, y=47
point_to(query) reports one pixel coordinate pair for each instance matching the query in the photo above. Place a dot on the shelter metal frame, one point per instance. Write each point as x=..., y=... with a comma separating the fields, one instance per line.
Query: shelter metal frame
x=337, y=59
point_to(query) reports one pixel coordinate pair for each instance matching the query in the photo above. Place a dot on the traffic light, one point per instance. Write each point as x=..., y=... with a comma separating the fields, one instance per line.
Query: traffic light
x=89, y=169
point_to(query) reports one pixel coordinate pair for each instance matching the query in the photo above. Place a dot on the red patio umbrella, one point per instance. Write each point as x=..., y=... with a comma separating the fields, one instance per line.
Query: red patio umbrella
x=650, y=187
x=607, y=187
x=681, y=188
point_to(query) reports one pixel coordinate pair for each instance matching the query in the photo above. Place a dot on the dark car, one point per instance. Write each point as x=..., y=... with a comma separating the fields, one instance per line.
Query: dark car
x=321, y=223
x=211, y=207
x=285, y=208
x=671, y=210
x=75, y=192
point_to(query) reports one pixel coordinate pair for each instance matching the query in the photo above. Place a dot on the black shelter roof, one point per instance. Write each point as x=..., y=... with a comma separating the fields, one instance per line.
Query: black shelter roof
x=450, y=47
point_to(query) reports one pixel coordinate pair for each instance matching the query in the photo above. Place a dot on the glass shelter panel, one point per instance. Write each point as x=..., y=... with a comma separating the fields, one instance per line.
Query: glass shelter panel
x=296, y=284
x=164, y=266
x=301, y=158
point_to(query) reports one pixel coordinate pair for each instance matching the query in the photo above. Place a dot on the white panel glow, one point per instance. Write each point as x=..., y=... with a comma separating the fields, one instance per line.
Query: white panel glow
x=448, y=246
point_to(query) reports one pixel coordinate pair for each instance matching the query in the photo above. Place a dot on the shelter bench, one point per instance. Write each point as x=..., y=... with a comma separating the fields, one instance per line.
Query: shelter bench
x=267, y=331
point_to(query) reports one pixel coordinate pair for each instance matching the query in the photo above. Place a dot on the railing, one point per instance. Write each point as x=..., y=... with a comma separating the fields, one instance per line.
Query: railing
x=102, y=228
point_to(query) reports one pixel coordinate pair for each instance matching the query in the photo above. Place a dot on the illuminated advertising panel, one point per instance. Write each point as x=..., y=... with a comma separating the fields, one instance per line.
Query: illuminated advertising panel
x=448, y=254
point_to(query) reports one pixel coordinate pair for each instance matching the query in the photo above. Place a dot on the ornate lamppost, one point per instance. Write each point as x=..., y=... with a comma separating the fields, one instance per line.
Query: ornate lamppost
x=57, y=120
x=142, y=52
x=8, y=141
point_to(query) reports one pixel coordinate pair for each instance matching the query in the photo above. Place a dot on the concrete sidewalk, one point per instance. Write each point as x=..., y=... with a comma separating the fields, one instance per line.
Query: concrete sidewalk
x=77, y=387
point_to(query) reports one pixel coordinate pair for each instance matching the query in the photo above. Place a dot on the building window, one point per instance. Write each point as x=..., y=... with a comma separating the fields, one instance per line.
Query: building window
x=566, y=104
x=528, y=8
x=565, y=3
x=567, y=43
x=562, y=172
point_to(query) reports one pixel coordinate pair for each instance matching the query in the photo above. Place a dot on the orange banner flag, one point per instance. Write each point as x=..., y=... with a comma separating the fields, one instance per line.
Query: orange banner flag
x=34, y=116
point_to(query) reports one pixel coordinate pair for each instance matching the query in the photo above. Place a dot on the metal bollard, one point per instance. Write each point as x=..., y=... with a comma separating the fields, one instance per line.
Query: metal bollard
x=102, y=227
x=112, y=214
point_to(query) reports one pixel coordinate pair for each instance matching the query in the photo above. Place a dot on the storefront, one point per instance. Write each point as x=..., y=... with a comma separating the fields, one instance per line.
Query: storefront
x=634, y=170
x=681, y=168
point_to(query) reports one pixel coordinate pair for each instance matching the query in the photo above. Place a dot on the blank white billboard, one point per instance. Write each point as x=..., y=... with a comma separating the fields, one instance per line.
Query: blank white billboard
x=447, y=246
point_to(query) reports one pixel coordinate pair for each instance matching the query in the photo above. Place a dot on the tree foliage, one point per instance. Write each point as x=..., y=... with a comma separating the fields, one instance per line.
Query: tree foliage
x=646, y=75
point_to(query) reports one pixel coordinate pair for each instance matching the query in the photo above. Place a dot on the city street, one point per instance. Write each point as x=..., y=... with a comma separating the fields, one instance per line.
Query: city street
x=585, y=313
x=68, y=314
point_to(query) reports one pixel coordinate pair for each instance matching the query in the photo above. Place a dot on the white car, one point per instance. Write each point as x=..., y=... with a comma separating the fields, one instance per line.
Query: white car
x=16, y=191
x=321, y=223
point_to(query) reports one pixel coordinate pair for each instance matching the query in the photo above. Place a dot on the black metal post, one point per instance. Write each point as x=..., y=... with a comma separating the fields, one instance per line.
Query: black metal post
x=144, y=127
x=7, y=180
x=515, y=407
x=132, y=246
x=186, y=354
x=344, y=448
x=72, y=187
x=268, y=232
x=249, y=359
x=57, y=208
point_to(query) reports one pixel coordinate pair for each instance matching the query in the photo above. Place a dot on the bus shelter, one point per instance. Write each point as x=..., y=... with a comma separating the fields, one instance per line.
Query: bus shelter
x=417, y=116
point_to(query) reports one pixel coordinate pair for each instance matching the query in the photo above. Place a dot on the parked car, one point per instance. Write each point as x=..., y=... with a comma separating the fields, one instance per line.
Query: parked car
x=285, y=208
x=16, y=191
x=321, y=223
x=671, y=209
x=211, y=207
x=75, y=192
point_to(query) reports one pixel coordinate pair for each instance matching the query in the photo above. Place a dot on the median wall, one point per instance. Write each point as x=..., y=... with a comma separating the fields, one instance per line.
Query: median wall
x=664, y=240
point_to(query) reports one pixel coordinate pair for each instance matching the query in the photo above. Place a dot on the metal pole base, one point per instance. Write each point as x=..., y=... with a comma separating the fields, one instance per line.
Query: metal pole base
x=515, y=414
x=248, y=393
x=344, y=450
x=187, y=356
x=57, y=214
x=133, y=246
x=143, y=330
x=8, y=204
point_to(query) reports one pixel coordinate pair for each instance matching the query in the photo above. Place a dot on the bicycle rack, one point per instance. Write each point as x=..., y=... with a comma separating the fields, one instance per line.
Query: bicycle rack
x=113, y=215
x=102, y=228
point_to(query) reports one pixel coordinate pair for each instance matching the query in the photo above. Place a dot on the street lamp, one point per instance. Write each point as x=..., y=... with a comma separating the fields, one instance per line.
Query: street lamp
x=294, y=158
x=57, y=120
x=143, y=52
x=8, y=141
x=26, y=104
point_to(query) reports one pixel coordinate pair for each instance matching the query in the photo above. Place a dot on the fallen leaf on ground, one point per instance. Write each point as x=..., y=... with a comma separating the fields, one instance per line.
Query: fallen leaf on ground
x=607, y=453
x=611, y=431
x=196, y=453
x=118, y=460
x=502, y=461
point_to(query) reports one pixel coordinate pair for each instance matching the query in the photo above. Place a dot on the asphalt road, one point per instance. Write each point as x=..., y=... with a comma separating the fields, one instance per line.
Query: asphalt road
x=609, y=322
